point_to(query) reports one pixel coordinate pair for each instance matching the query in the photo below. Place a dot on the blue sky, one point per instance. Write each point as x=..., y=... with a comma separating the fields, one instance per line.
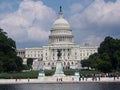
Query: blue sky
x=29, y=22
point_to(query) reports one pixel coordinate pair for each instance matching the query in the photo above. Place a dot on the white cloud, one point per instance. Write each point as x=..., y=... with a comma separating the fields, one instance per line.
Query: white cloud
x=102, y=12
x=76, y=8
x=37, y=33
x=93, y=40
x=100, y=18
x=32, y=21
x=90, y=22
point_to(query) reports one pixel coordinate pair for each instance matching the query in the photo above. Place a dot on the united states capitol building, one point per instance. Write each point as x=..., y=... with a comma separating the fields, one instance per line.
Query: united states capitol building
x=60, y=37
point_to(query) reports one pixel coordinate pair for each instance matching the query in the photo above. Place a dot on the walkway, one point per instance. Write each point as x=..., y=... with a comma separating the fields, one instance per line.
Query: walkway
x=66, y=79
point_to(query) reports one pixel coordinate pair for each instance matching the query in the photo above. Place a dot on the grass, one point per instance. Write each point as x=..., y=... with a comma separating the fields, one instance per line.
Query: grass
x=71, y=72
x=34, y=74
x=49, y=72
x=20, y=75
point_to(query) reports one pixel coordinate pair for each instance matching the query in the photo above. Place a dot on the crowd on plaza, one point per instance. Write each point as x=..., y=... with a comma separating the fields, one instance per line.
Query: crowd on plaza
x=94, y=77
x=97, y=77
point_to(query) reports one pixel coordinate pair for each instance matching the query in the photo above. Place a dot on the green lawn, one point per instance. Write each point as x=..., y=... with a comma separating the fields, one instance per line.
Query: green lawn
x=71, y=72
x=34, y=74
x=22, y=75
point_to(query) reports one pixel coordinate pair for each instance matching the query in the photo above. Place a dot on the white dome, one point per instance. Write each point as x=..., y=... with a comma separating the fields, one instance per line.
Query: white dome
x=61, y=23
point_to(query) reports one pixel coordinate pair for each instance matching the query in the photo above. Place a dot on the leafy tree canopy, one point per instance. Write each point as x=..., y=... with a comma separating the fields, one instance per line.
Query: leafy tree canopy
x=29, y=63
x=108, y=57
x=9, y=61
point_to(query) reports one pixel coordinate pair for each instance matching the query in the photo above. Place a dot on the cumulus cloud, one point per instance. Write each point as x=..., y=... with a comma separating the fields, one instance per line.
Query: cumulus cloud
x=92, y=40
x=35, y=33
x=31, y=21
x=90, y=21
x=76, y=8
x=99, y=19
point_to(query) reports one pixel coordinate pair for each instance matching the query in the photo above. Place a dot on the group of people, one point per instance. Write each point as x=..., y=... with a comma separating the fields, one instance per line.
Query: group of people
x=59, y=79
x=20, y=80
x=97, y=77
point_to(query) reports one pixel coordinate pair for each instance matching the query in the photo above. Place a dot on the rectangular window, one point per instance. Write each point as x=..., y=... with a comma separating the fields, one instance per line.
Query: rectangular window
x=68, y=57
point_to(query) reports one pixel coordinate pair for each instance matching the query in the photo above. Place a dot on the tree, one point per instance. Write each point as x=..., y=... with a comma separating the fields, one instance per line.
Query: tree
x=9, y=61
x=108, y=57
x=9, y=65
x=19, y=64
x=86, y=63
x=104, y=66
x=29, y=63
x=1, y=68
x=117, y=58
x=110, y=46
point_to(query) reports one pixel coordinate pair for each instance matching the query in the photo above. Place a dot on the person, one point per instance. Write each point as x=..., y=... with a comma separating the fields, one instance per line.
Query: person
x=117, y=76
x=114, y=77
x=92, y=77
x=72, y=79
x=16, y=79
x=28, y=79
x=99, y=76
x=83, y=77
x=80, y=78
x=57, y=79
x=61, y=79
x=86, y=77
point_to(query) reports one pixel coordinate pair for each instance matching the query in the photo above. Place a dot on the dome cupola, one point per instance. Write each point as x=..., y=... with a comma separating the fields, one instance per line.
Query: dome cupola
x=61, y=23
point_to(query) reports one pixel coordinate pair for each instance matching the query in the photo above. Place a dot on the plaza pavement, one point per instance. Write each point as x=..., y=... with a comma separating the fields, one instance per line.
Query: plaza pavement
x=66, y=79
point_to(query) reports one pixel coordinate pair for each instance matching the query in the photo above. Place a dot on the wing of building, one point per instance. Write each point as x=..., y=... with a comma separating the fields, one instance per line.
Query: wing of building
x=60, y=38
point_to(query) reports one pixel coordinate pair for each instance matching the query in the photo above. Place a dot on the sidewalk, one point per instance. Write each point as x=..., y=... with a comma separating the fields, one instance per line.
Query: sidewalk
x=53, y=80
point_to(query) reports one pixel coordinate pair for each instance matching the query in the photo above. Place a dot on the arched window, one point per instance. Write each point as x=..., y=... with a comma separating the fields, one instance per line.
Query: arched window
x=48, y=63
x=53, y=64
x=64, y=63
x=68, y=63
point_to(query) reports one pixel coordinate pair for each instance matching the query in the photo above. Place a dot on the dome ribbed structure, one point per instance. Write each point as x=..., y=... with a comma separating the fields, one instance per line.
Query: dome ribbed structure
x=61, y=23
x=61, y=32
